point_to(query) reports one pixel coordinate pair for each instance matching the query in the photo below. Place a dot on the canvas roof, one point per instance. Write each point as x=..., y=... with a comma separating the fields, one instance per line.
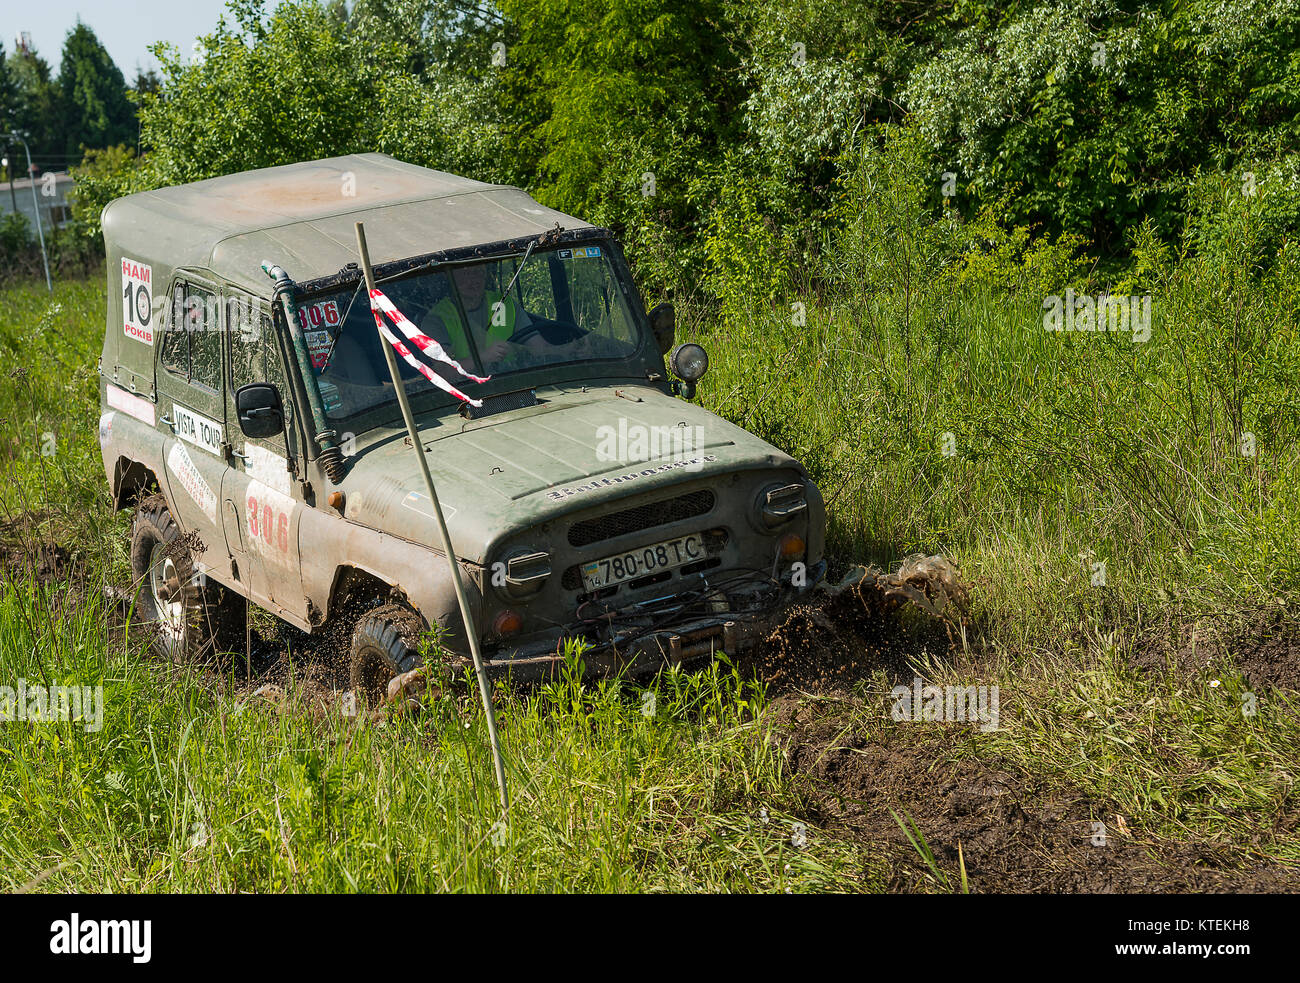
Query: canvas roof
x=301, y=217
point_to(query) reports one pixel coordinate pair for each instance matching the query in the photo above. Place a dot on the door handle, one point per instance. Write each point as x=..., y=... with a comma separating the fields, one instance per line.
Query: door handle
x=167, y=420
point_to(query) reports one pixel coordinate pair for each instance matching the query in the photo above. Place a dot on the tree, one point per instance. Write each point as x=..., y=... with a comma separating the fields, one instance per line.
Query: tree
x=8, y=94
x=96, y=110
x=102, y=176
x=145, y=82
x=620, y=109
x=8, y=110
x=1101, y=113
x=299, y=84
x=37, y=105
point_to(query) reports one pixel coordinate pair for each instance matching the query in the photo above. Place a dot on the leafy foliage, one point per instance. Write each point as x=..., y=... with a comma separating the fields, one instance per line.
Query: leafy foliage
x=718, y=139
x=300, y=84
x=96, y=111
x=1103, y=113
x=36, y=109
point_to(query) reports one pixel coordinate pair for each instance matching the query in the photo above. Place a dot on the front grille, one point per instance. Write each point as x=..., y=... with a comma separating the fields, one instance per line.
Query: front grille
x=613, y=524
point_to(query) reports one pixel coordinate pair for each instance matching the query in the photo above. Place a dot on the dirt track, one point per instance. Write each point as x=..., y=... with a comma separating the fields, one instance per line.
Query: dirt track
x=1015, y=837
x=1015, y=834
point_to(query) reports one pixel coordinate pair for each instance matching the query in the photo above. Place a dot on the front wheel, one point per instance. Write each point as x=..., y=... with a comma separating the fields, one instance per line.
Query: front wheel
x=386, y=643
x=195, y=617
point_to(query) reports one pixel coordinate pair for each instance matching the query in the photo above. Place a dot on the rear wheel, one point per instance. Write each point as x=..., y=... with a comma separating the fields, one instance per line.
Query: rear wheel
x=385, y=643
x=195, y=617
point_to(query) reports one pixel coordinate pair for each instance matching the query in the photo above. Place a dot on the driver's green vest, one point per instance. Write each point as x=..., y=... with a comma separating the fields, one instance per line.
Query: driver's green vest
x=450, y=317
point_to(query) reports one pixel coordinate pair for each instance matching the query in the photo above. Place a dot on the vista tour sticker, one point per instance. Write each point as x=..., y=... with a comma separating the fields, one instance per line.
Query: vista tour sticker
x=197, y=429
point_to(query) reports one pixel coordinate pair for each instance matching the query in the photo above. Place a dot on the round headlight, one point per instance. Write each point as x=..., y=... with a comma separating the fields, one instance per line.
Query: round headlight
x=689, y=362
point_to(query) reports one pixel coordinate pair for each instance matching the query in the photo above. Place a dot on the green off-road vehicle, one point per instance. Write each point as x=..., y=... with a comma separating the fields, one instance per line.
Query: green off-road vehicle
x=250, y=420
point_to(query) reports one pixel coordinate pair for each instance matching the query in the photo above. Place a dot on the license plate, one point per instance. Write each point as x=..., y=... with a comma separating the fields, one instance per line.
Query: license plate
x=643, y=561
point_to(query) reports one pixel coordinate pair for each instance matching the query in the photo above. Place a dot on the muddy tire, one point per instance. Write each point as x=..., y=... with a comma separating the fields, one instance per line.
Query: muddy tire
x=195, y=618
x=385, y=643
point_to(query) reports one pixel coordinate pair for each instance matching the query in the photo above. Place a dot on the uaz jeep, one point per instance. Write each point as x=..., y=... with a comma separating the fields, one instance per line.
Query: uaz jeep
x=249, y=418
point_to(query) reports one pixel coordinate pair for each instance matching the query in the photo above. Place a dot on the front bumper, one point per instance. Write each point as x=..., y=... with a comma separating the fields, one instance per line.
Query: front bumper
x=637, y=652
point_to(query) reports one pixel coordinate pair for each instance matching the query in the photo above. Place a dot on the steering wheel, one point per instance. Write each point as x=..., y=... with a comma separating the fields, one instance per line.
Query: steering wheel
x=552, y=332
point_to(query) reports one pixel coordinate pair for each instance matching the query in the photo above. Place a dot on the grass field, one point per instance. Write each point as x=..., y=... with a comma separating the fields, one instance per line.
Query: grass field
x=1150, y=702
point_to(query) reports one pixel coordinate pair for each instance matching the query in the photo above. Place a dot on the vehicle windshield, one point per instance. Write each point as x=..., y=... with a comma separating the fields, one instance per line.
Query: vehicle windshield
x=566, y=306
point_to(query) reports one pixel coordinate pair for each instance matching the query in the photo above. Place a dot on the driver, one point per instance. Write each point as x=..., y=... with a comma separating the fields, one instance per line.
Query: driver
x=492, y=319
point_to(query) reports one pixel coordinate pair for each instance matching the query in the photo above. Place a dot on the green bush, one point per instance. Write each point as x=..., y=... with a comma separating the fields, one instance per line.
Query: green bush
x=16, y=235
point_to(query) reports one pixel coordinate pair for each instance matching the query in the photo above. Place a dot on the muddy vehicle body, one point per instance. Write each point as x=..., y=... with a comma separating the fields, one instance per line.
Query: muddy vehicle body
x=252, y=424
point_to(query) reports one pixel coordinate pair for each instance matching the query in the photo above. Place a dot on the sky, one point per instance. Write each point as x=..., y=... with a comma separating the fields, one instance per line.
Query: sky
x=125, y=27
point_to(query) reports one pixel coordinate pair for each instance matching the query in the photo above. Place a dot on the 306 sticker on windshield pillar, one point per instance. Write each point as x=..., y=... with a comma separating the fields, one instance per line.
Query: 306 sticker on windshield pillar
x=316, y=317
x=197, y=429
x=191, y=479
x=137, y=300
x=269, y=515
x=317, y=322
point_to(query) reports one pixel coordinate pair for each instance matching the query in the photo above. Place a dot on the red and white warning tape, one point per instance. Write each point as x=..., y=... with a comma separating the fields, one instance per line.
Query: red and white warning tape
x=379, y=302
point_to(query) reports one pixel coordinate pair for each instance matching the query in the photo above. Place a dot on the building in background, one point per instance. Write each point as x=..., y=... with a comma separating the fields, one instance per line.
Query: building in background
x=52, y=191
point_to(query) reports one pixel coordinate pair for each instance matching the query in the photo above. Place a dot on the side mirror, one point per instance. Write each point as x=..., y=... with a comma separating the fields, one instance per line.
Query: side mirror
x=260, y=411
x=663, y=322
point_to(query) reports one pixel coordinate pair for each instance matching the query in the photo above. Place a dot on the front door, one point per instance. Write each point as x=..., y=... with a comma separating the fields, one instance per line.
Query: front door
x=261, y=501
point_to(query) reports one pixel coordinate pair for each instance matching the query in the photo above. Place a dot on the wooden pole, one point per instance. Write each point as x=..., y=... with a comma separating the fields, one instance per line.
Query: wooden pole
x=468, y=616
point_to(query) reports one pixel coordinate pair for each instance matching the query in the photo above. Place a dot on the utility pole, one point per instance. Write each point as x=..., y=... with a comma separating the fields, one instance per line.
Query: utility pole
x=13, y=198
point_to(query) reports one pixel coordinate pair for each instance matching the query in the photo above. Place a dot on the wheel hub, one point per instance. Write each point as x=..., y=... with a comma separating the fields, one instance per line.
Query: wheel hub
x=165, y=586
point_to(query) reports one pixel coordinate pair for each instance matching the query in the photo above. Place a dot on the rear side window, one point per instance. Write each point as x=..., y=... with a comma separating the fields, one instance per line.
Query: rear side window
x=175, y=355
x=191, y=346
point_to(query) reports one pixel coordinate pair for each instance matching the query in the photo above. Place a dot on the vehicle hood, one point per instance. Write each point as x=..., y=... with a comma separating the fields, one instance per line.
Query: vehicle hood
x=577, y=449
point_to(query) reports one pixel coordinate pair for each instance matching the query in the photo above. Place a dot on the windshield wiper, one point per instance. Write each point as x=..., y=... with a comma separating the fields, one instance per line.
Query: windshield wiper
x=544, y=239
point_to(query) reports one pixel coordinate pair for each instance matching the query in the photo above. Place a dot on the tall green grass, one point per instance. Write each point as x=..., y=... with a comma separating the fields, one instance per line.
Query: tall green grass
x=194, y=786
x=54, y=486
x=1174, y=461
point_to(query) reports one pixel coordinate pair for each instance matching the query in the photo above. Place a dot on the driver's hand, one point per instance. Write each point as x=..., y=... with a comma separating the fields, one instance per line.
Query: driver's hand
x=497, y=350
